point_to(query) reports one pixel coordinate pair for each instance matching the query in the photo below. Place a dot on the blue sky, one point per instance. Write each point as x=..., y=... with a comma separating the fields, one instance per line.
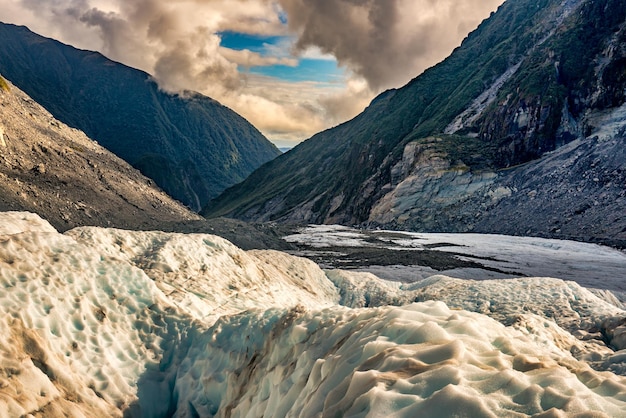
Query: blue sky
x=320, y=69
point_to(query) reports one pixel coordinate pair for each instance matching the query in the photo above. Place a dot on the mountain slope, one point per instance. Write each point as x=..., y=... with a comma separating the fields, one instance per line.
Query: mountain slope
x=191, y=146
x=68, y=179
x=576, y=192
x=530, y=79
x=51, y=169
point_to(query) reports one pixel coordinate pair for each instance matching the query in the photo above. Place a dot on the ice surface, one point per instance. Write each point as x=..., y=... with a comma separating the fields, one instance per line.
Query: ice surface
x=590, y=321
x=321, y=236
x=25, y=221
x=208, y=276
x=84, y=327
x=590, y=265
x=418, y=360
x=102, y=322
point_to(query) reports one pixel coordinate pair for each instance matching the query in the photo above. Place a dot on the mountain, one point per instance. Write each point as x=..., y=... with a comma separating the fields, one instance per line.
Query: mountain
x=68, y=179
x=475, y=142
x=56, y=171
x=190, y=145
x=100, y=322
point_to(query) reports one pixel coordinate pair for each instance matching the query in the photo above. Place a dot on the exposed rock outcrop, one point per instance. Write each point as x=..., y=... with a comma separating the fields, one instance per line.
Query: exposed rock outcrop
x=426, y=182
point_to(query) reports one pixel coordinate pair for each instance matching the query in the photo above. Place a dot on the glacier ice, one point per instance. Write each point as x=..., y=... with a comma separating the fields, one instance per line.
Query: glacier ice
x=104, y=322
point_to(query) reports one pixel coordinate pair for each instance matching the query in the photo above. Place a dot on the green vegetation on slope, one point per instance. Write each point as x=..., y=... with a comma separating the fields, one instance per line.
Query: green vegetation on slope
x=559, y=73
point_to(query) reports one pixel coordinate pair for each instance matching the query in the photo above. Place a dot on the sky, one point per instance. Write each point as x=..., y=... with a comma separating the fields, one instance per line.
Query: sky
x=291, y=67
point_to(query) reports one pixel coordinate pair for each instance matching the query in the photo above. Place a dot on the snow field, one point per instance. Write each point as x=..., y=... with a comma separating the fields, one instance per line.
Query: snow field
x=102, y=322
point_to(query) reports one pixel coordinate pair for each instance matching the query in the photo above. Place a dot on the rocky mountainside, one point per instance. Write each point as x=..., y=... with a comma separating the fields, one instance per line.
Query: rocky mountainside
x=191, y=146
x=576, y=192
x=59, y=173
x=476, y=143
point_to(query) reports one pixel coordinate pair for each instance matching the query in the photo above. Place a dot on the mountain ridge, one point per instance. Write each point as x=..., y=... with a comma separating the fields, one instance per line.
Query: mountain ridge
x=190, y=145
x=544, y=98
x=58, y=172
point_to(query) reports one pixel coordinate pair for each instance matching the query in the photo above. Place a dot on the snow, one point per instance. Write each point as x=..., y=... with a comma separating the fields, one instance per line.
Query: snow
x=103, y=322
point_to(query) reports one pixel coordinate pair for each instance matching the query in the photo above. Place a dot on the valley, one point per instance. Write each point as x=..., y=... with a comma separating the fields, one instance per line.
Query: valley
x=458, y=249
x=190, y=145
x=514, y=133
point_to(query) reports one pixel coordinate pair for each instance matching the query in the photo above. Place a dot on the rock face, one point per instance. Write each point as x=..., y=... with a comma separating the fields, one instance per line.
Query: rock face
x=190, y=145
x=423, y=175
x=59, y=173
x=577, y=192
x=565, y=78
x=453, y=149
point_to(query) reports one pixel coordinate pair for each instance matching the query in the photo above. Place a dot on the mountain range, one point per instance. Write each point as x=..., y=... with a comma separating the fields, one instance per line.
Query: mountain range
x=520, y=131
x=188, y=144
x=64, y=176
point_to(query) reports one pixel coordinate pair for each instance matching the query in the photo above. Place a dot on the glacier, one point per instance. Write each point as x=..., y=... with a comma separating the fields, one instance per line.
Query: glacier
x=105, y=322
x=497, y=256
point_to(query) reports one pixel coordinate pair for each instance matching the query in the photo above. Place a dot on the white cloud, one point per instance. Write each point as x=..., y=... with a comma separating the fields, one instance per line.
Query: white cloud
x=247, y=58
x=314, y=52
x=287, y=112
x=387, y=42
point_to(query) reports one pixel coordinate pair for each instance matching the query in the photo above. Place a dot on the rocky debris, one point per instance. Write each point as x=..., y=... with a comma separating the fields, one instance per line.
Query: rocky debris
x=59, y=173
x=40, y=168
x=576, y=192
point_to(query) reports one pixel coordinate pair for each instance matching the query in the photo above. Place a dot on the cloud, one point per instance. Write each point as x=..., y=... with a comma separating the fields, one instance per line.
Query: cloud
x=348, y=103
x=287, y=112
x=387, y=42
x=247, y=58
x=379, y=43
x=195, y=63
